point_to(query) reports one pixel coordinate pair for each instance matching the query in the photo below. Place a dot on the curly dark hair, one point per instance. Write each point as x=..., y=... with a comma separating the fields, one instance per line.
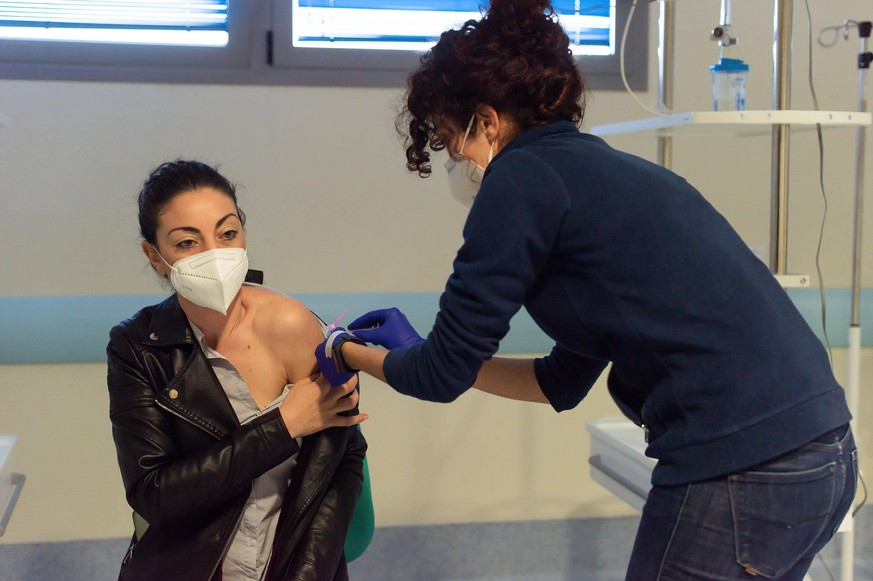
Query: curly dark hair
x=516, y=59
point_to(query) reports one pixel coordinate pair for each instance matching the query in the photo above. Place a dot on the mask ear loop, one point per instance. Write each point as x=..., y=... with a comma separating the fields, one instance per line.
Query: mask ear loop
x=161, y=257
x=467, y=133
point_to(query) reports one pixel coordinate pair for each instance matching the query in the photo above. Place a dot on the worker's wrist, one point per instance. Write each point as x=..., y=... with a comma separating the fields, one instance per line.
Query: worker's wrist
x=349, y=353
x=339, y=357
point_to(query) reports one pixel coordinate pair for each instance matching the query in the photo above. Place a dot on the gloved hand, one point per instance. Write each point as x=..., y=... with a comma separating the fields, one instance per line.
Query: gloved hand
x=386, y=327
x=329, y=357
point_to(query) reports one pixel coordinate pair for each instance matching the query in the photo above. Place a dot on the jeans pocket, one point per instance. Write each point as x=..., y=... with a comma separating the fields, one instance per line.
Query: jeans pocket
x=851, y=488
x=779, y=515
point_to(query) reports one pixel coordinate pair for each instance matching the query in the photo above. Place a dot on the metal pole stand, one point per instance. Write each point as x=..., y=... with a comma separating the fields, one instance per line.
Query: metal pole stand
x=847, y=528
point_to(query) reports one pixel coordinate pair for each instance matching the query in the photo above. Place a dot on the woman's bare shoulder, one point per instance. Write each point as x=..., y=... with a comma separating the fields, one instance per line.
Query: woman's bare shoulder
x=278, y=315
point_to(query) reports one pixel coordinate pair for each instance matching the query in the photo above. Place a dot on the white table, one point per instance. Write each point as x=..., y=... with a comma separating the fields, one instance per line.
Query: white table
x=618, y=461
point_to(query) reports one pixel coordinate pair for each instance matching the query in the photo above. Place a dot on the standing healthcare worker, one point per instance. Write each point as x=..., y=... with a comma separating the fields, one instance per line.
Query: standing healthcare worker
x=617, y=260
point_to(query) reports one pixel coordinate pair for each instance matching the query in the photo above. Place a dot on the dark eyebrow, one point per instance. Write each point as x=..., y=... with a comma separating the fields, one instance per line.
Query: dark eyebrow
x=231, y=215
x=190, y=229
x=193, y=230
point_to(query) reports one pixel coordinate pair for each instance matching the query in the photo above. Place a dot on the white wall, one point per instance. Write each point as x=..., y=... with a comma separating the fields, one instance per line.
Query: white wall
x=332, y=209
x=480, y=459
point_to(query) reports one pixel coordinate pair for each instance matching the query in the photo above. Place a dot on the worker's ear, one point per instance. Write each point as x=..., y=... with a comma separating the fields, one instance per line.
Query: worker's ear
x=488, y=119
x=154, y=258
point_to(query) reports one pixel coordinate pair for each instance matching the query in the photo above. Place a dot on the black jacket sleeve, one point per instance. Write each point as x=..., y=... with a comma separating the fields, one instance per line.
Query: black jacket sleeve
x=176, y=465
x=322, y=544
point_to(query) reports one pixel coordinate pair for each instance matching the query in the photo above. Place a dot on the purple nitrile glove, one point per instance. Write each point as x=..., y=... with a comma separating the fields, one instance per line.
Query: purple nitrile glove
x=386, y=327
x=329, y=357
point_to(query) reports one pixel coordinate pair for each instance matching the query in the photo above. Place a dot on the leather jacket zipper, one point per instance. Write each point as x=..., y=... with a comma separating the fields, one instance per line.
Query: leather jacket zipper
x=129, y=553
x=240, y=513
x=181, y=417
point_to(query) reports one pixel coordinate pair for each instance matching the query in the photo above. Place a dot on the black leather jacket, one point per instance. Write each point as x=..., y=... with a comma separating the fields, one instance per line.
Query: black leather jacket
x=187, y=464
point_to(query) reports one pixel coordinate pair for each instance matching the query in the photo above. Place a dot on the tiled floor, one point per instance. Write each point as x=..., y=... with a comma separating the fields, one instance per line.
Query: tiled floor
x=557, y=550
x=571, y=550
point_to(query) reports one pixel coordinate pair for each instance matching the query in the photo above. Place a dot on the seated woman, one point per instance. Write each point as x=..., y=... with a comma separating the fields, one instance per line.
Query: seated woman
x=238, y=458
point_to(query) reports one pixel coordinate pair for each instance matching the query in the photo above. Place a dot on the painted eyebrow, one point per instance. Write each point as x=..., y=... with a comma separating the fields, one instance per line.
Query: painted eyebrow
x=193, y=230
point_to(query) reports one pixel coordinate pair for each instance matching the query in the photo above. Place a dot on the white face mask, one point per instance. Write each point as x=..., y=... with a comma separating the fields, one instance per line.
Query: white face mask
x=465, y=176
x=210, y=279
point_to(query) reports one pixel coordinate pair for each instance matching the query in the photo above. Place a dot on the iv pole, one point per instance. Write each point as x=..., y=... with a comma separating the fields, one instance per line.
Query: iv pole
x=782, y=24
x=783, y=17
x=853, y=383
x=666, y=33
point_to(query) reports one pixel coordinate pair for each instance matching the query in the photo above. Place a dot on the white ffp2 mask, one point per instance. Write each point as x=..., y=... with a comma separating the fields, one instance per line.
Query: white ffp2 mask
x=465, y=176
x=210, y=279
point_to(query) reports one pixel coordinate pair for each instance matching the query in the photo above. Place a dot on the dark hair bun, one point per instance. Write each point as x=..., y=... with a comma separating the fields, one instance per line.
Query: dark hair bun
x=519, y=10
x=516, y=59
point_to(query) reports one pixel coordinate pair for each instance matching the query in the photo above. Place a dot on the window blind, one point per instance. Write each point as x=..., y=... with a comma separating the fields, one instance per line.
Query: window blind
x=417, y=24
x=178, y=22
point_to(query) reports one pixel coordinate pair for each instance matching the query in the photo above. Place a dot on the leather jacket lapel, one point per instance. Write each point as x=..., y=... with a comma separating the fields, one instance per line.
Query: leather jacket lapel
x=194, y=393
x=196, y=396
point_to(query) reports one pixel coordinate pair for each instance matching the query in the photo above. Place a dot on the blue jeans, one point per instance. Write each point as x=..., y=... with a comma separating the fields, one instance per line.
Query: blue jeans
x=768, y=521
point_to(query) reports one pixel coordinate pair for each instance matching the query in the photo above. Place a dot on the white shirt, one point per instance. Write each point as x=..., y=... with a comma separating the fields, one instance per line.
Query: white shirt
x=252, y=544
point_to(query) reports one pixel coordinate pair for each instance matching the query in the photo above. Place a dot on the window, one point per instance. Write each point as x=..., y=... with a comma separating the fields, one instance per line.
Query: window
x=389, y=35
x=416, y=26
x=118, y=33
x=323, y=42
x=194, y=23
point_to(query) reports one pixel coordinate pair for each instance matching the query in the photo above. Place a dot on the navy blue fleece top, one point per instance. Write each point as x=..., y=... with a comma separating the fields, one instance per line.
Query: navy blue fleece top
x=620, y=260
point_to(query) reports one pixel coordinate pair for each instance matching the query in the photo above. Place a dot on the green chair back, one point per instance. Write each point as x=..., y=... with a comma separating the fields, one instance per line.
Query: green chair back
x=363, y=521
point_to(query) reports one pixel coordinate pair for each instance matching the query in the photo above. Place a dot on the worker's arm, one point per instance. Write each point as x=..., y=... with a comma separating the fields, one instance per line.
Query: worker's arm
x=510, y=378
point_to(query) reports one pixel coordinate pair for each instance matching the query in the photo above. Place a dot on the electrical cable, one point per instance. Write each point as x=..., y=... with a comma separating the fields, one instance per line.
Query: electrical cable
x=844, y=28
x=863, y=500
x=630, y=17
x=621, y=50
x=818, y=131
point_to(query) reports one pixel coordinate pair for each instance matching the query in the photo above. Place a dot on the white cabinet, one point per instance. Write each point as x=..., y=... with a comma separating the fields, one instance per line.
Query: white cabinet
x=10, y=483
x=618, y=461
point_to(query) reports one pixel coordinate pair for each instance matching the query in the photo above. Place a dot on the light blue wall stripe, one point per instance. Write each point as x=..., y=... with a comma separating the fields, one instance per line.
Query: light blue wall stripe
x=76, y=329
